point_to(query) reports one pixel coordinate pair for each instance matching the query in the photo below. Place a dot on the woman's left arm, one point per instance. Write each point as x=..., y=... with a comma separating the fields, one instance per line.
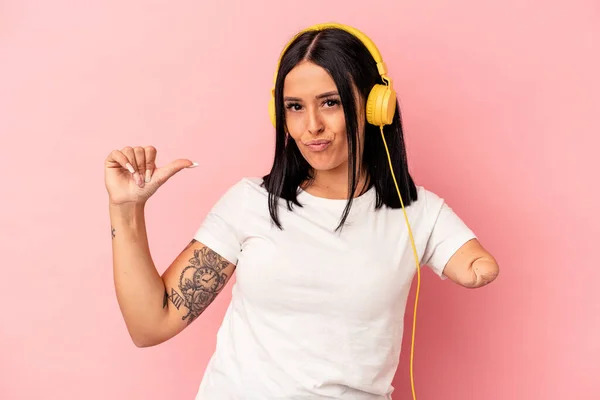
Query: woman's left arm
x=471, y=266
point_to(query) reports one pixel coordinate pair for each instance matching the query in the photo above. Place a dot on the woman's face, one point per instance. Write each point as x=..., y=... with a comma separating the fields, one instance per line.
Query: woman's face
x=315, y=117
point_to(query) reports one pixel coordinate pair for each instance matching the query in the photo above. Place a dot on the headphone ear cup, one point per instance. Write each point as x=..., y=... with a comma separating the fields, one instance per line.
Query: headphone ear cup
x=381, y=105
x=272, y=112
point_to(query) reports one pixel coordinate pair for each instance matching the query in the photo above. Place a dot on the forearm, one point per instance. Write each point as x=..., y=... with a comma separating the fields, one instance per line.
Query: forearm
x=139, y=287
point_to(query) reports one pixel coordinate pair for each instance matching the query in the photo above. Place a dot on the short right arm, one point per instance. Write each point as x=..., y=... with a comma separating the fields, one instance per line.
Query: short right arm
x=154, y=307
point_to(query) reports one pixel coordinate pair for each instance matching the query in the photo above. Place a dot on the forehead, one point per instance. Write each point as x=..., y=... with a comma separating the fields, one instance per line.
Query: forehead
x=307, y=78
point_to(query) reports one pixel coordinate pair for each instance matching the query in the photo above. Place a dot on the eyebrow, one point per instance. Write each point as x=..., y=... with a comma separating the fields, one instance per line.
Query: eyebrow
x=322, y=95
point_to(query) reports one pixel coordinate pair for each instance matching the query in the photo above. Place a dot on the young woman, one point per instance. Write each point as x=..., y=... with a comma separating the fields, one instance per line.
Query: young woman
x=320, y=244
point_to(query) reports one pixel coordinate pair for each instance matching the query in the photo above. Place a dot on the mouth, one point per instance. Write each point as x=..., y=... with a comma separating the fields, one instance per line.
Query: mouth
x=318, y=145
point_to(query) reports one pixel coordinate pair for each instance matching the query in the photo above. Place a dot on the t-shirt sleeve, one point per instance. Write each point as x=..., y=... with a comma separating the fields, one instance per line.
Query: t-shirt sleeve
x=220, y=229
x=447, y=234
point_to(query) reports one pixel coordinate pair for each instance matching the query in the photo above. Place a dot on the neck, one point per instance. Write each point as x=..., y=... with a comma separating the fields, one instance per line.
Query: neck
x=333, y=184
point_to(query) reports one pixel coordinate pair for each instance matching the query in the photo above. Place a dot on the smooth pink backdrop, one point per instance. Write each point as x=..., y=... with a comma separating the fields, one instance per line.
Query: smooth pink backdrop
x=500, y=103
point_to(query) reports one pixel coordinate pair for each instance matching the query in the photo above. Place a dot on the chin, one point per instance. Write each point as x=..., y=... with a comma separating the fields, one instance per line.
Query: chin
x=324, y=165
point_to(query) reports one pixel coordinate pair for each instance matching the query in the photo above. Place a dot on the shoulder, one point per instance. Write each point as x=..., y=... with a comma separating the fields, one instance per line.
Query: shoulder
x=428, y=202
x=439, y=215
x=431, y=209
x=249, y=186
x=238, y=199
x=243, y=191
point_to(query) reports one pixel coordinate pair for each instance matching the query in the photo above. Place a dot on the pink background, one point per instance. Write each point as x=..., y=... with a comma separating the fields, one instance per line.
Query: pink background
x=500, y=103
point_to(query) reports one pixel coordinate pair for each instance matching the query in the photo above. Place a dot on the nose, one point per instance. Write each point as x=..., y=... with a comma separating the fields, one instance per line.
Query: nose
x=315, y=123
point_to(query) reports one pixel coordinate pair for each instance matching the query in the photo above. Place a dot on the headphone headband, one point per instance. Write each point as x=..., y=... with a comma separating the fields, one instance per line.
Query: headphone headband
x=381, y=67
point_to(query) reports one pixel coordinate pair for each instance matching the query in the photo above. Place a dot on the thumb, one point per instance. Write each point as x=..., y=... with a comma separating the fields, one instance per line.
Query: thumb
x=167, y=171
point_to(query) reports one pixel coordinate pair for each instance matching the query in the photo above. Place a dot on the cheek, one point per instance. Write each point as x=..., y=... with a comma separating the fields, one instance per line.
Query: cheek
x=337, y=123
x=341, y=154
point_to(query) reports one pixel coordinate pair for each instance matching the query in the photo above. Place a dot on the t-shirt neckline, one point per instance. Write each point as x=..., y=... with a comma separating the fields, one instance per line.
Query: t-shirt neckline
x=306, y=197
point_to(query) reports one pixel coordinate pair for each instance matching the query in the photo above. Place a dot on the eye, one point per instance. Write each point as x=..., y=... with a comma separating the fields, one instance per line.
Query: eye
x=331, y=102
x=293, y=106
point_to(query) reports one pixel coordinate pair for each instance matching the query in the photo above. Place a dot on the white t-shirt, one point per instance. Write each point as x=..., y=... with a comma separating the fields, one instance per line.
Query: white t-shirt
x=318, y=314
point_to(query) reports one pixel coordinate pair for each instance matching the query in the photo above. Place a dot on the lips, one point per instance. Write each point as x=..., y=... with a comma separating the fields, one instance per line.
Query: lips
x=318, y=145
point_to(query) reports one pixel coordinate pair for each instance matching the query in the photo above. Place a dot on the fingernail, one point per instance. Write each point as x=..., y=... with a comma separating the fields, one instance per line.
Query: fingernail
x=194, y=165
x=130, y=168
x=148, y=177
x=137, y=178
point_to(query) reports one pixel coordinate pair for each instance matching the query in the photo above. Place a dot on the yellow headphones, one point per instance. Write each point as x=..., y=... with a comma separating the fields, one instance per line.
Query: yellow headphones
x=381, y=106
